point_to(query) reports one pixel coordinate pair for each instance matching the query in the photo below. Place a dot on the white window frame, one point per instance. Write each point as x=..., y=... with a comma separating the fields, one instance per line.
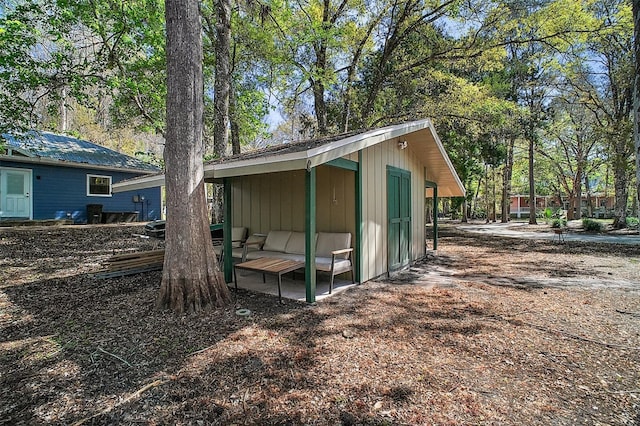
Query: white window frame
x=89, y=194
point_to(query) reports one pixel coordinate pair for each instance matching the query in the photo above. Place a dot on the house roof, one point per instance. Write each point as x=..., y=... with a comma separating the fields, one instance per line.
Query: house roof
x=53, y=149
x=421, y=137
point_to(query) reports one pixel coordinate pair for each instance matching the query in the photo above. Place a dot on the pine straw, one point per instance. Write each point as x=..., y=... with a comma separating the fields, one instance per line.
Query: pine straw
x=490, y=331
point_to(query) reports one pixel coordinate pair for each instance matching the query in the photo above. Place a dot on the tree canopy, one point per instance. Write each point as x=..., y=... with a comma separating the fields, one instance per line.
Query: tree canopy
x=504, y=81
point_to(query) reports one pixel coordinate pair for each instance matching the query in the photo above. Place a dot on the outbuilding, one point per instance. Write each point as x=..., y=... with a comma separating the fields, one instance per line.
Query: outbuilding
x=372, y=184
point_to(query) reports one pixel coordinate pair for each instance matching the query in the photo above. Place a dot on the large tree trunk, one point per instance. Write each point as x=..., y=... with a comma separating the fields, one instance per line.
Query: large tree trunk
x=493, y=198
x=235, y=127
x=222, y=85
x=486, y=192
x=233, y=107
x=506, y=182
x=572, y=206
x=222, y=93
x=465, y=211
x=587, y=188
x=474, y=201
x=577, y=188
x=532, y=185
x=63, y=110
x=191, y=279
x=636, y=97
x=621, y=185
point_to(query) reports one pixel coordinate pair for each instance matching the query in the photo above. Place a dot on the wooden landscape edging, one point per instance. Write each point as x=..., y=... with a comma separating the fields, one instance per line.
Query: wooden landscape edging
x=132, y=263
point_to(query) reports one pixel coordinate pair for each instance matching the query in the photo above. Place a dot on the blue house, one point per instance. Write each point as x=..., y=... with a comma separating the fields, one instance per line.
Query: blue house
x=49, y=176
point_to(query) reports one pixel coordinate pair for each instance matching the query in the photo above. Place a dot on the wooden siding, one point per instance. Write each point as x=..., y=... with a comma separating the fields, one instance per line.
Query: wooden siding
x=374, y=205
x=61, y=190
x=275, y=201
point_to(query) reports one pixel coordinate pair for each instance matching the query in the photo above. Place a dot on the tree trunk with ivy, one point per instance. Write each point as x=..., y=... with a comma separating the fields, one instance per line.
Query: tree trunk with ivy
x=191, y=279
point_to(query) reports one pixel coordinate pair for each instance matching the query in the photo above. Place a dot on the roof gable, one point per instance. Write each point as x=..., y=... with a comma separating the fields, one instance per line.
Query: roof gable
x=420, y=136
x=61, y=148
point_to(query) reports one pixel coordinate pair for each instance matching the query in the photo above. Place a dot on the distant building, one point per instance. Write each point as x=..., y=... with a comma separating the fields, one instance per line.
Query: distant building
x=519, y=205
x=601, y=204
x=49, y=176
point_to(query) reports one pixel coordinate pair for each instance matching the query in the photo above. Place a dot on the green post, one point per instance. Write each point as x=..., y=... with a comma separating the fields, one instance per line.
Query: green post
x=310, y=235
x=226, y=229
x=359, y=224
x=435, y=217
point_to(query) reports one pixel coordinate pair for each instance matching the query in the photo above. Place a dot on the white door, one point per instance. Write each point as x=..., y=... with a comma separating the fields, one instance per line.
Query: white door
x=15, y=193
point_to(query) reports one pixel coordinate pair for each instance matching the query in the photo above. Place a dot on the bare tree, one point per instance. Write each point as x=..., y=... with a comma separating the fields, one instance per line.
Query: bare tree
x=191, y=280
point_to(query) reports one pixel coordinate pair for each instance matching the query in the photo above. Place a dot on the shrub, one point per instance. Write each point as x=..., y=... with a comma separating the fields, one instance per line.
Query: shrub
x=558, y=223
x=632, y=222
x=591, y=225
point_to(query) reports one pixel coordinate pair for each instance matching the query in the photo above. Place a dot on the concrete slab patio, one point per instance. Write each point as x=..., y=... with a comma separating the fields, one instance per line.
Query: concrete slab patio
x=293, y=285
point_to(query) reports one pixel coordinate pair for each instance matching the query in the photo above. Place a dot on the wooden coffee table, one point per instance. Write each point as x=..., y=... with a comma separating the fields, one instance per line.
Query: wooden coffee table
x=270, y=266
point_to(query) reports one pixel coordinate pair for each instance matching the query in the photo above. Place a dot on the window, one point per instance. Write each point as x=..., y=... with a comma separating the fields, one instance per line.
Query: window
x=98, y=186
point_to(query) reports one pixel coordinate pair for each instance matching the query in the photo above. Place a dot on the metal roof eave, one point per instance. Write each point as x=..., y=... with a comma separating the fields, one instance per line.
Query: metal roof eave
x=142, y=182
x=447, y=160
x=24, y=152
x=301, y=160
x=62, y=163
x=315, y=156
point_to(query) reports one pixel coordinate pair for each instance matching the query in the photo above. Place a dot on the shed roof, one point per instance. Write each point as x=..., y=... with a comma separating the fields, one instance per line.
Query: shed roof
x=421, y=138
x=50, y=148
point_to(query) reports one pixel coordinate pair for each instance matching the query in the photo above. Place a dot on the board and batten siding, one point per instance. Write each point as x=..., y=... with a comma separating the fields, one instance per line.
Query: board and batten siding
x=275, y=201
x=375, y=160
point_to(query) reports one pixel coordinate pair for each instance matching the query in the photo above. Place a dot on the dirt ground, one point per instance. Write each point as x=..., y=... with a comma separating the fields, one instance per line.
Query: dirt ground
x=489, y=331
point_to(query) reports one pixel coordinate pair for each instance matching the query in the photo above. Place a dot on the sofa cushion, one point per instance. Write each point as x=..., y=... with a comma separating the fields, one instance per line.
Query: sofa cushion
x=341, y=265
x=296, y=243
x=255, y=242
x=330, y=241
x=236, y=252
x=276, y=241
x=238, y=234
x=277, y=254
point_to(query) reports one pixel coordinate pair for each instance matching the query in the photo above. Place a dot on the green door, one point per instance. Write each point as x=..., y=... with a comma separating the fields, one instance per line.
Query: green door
x=399, y=213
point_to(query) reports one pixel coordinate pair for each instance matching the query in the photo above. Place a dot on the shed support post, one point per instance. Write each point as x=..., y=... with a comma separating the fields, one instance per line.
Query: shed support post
x=434, y=186
x=310, y=235
x=435, y=218
x=226, y=232
x=359, y=225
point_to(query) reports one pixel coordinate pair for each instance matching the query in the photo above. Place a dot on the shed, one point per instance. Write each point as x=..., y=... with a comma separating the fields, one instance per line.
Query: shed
x=372, y=184
x=48, y=176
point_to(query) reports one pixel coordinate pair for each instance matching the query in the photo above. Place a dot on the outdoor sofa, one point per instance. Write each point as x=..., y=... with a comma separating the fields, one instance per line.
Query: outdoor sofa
x=333, y=250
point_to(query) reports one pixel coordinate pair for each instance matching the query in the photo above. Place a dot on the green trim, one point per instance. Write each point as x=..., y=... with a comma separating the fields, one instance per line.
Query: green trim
x=228, y=258
x=434, y=185
x=343, y=163
x=410, y=219
x=435, y=218
x=359, y=223
x=310, y=235
x=397, y=170
x=396, y=221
